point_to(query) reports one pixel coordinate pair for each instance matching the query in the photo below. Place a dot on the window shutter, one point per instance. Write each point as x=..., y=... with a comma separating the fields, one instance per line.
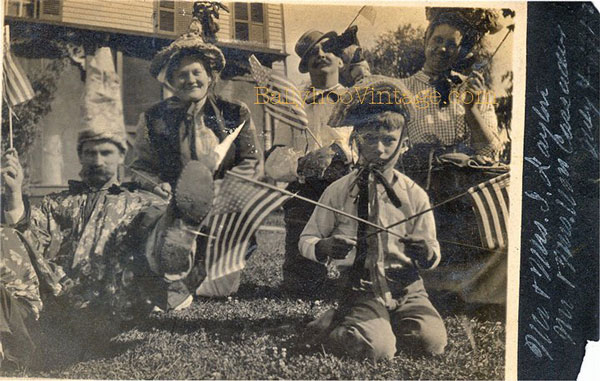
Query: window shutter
x=249, y=23
x=50, y=9
x=166, y=21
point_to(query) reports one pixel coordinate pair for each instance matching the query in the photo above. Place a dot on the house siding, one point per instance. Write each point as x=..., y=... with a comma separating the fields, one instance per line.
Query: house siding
x=126, y=15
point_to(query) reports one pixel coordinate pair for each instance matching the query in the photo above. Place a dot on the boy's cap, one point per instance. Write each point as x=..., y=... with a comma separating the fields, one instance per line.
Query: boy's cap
x=306, y=43
x=388, y=95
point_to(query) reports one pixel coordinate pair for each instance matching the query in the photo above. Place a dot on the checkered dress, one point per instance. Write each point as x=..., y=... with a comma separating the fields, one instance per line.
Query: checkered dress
x=446, y=126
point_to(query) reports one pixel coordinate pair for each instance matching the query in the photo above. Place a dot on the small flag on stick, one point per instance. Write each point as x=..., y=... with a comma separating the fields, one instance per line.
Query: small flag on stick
x=16, y=86
x=287, y=105
x=490, y=203
x=369, y=13
x=238, y=210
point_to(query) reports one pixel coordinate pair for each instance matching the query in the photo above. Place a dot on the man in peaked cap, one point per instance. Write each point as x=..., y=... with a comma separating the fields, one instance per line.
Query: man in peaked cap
x=76, y=239
x=320, y=159
x=384, y=303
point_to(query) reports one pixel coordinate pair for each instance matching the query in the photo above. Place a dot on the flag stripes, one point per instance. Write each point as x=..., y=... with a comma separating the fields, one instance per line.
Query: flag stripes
x=287, y=105
x=232, y=224
x=16, y=86
x=285, y=117
x=490, y=203
x=369, y=13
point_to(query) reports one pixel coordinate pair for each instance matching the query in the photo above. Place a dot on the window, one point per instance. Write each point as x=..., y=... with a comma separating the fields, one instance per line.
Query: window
x=174, y=17
x=50, y=8
x=39, y=9
x=166, y=16
x=249, y=22
x=21, y=8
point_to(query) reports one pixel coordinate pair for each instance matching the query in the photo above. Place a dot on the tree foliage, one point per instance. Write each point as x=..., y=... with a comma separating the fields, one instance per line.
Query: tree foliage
x=398, y=53
x=27, y=116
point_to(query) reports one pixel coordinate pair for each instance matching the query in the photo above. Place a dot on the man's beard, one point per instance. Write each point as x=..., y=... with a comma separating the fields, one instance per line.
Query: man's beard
x=96, y=176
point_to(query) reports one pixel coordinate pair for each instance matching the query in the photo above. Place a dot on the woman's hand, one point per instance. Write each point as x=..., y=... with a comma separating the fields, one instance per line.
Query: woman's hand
x=475, y=85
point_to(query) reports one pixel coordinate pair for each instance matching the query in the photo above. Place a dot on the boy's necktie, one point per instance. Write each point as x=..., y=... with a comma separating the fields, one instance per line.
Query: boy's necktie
x=369, y=250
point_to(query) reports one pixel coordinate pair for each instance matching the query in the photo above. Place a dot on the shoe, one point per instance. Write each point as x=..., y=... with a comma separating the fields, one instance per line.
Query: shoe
x=181, y=306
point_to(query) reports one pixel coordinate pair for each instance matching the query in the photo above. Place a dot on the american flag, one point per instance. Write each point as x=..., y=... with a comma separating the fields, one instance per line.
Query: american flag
x=238, y=210
x=490, y=202
x=369, y=13
x=288, y=106
x=15, y=85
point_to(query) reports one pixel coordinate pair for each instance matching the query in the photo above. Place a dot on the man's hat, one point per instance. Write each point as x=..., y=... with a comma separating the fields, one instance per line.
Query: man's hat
x=189, y=43
x=306, y=43
x=372, y=95
x=102, y=106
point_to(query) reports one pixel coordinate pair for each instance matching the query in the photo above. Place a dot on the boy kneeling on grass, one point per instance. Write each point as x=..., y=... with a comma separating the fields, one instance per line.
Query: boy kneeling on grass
x=384, y=304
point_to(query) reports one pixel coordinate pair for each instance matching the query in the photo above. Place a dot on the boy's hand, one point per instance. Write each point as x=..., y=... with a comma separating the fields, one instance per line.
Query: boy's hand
x=418, y=249
x=336, y=247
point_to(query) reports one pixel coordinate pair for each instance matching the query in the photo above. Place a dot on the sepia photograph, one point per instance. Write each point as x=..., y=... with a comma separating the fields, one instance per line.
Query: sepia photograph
x=245, y=190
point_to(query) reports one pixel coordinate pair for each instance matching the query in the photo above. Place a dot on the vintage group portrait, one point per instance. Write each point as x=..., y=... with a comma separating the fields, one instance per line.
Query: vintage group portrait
x=247, y=190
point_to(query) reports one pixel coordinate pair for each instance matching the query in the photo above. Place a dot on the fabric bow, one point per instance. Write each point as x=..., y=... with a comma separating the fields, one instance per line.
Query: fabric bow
x=362, y=179
x=444, y=84
x=80, y=187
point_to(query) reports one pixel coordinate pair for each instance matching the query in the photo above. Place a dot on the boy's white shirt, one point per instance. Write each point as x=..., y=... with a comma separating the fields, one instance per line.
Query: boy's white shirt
x=342, y=195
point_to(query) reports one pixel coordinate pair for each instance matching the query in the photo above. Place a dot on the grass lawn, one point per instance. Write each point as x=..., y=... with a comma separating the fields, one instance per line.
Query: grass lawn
x=258, y=335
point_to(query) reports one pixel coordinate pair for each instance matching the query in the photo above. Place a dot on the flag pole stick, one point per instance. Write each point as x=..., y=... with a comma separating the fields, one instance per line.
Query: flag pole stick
x=145, y=177
x=314, y=137
x=501, y=42
x=10, y=128
x=294, y=195
x=489, y=60
x=355, y=17
x=422, y=212
x=428, y=210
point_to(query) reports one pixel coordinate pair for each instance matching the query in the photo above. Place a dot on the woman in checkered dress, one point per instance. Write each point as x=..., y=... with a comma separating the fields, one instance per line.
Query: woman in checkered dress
x=453, y=120
x=452, y=113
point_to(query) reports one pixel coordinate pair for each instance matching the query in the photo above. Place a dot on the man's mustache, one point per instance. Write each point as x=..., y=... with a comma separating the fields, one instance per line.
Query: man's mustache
x=96, y=171
x=323, y=60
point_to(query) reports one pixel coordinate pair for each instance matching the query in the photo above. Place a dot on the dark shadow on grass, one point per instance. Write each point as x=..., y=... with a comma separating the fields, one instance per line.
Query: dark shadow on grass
x=449, y=304
x=52, y=359
x=252, y=291
x=59, y=346
x=226, y=329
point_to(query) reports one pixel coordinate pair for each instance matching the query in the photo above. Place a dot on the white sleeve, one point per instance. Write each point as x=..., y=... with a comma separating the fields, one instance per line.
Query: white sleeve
x=424, y=227
x=319, y=226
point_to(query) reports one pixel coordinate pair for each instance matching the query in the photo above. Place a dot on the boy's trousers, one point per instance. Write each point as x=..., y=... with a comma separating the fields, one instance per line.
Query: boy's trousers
x=363, y=327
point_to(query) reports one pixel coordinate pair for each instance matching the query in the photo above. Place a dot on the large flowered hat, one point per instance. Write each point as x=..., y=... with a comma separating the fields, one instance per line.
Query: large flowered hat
x=189, y=43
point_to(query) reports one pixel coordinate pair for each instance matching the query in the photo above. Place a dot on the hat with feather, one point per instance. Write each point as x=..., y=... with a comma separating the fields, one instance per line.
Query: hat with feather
x=190, y=43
